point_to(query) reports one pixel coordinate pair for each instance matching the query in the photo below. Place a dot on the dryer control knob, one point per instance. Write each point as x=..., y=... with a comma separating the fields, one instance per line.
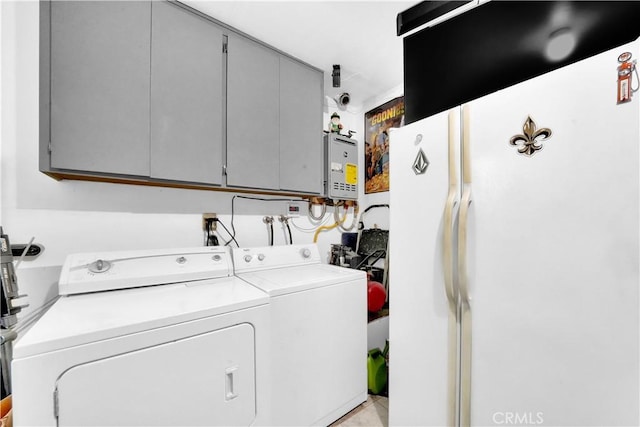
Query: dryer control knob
x=247, y=258
x=261, y=257
x=99, y=266
x=306, y=253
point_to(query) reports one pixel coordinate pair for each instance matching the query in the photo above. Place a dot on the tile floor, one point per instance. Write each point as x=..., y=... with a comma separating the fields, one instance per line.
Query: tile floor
x=372, y=413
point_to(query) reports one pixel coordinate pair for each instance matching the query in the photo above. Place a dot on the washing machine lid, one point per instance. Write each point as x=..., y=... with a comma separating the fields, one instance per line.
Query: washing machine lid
x=280, y=281
x=85, y=318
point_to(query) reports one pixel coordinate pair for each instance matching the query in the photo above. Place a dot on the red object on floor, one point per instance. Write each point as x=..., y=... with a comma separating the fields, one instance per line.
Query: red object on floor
x=376, y=295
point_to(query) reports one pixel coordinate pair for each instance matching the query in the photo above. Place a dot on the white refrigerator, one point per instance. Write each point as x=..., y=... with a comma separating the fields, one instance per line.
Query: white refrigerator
x=514, y=256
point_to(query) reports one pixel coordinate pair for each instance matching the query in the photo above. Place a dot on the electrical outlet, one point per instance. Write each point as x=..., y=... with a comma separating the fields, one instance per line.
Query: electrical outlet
x=205, y=217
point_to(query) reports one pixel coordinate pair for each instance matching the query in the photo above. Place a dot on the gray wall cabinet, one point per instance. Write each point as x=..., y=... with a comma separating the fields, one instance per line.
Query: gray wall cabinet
x=100, y=86
x=253, y=93
x=158, y=93
x=186, y=96
x=301, y=103
x=274, y=111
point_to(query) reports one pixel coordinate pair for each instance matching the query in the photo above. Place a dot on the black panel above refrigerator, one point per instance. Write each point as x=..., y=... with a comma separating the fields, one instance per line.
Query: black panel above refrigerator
x=502, y=43
x=424, y=12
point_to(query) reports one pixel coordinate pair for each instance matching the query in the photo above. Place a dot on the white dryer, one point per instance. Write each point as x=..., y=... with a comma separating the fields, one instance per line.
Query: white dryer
x=318, y=332
x=113, y=350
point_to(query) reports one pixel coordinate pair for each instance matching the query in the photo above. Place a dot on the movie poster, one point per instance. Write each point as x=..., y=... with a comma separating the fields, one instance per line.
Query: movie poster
x=377, y=122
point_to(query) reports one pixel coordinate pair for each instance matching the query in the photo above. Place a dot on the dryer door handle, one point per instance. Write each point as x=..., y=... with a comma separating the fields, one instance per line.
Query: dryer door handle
x=230, y=389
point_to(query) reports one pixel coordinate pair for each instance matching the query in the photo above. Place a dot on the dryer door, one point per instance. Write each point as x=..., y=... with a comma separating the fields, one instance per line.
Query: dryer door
x=206, y=379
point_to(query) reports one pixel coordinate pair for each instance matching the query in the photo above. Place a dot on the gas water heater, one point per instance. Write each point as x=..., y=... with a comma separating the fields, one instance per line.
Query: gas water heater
x=341, y=173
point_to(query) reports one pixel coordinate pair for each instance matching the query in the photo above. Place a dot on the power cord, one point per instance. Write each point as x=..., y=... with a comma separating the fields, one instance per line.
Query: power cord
x=210, y=238
x=233, y=239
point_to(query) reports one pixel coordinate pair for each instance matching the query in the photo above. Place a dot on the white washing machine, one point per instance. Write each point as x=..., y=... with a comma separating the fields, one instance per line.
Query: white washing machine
x=113, y=350
x=318, y=332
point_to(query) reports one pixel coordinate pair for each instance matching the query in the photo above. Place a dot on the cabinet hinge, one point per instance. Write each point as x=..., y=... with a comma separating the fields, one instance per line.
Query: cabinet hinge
x=50, y=148
x=224, y=170
x=56, y=406
x=225, y=46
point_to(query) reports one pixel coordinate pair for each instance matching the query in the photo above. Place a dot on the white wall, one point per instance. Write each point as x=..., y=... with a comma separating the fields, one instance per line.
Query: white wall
x=379, y=217
x=76, y=216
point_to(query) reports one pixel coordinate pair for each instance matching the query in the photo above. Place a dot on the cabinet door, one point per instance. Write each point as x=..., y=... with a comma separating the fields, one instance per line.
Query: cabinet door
x=301, y=154
x=253, y=134
x=186, y=96
x=100, y=86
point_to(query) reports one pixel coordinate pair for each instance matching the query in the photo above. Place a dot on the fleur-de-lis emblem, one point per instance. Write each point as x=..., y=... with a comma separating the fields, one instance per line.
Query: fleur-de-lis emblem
x=527, y=142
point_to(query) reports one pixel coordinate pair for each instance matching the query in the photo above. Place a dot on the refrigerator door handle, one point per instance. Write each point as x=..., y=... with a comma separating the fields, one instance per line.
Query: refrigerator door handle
x=465, y=308
x=448, y=268
x=465, y=321
x=465, y=204
x=449, y=212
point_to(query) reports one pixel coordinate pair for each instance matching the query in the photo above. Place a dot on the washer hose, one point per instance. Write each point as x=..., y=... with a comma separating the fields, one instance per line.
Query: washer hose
x=356, y=209
x=332, y=226
x=324, y=210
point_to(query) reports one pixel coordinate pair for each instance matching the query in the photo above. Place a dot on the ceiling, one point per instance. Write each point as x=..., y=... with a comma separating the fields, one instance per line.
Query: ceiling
x=360, y=36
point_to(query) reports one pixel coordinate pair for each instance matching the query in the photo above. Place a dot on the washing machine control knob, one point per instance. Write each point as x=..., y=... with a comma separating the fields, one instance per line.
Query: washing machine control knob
x=260, y=257
x=247, y=258
x=99, y=266
x=216, y=257
x=306, y=253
